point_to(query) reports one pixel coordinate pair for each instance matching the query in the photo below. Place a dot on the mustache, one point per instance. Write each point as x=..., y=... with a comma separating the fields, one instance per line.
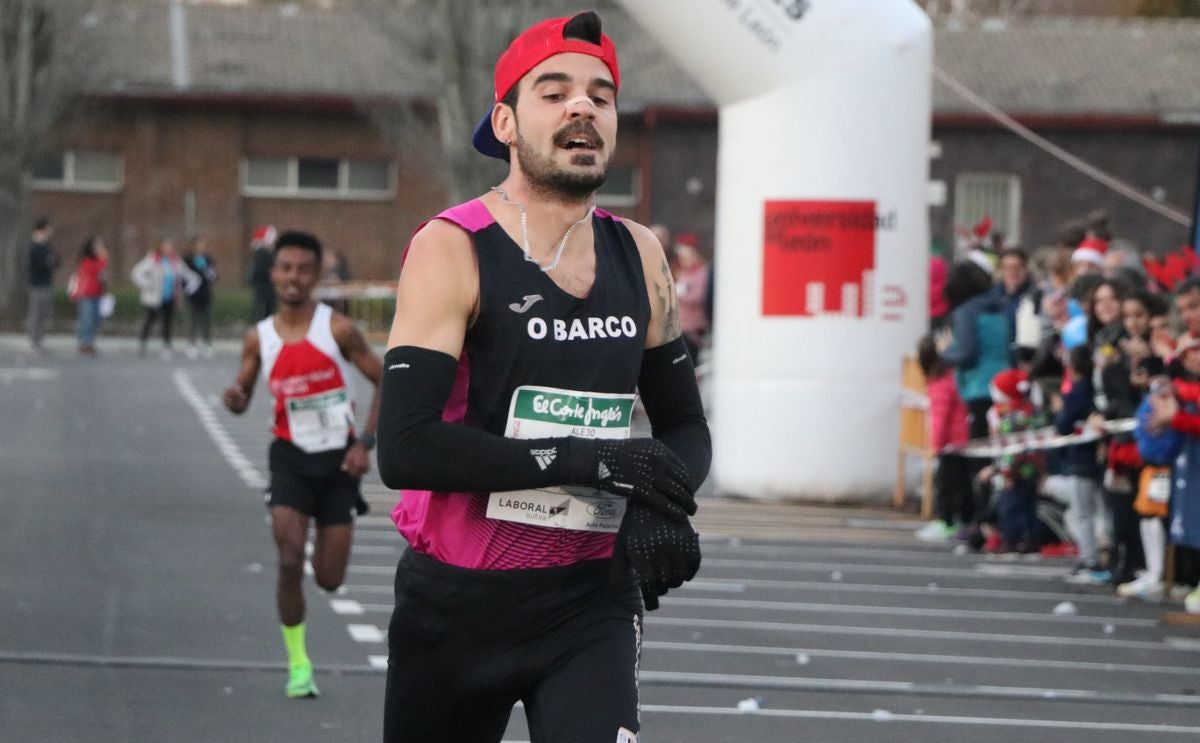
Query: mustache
x=580, y=128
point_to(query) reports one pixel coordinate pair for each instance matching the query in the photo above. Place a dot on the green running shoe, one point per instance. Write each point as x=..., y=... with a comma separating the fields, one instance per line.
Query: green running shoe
x=300, y=682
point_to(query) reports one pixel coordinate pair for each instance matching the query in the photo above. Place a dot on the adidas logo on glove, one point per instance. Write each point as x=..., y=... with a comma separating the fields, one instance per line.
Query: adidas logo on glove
x=544, y=456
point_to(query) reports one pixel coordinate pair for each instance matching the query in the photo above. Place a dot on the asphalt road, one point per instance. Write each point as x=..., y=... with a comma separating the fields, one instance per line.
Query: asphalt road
x=136, y=583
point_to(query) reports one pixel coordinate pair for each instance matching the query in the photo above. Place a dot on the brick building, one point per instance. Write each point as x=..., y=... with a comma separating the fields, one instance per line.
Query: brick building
x=217, y=119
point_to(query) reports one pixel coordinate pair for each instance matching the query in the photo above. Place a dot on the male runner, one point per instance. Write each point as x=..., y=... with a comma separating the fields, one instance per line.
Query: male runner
x=526, y=322
x=305, y=352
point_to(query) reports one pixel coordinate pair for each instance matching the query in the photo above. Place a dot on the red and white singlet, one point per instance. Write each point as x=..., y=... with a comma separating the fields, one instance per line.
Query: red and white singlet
x=311, y=382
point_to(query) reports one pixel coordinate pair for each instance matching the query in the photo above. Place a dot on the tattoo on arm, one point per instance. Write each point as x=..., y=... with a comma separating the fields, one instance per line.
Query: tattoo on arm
x=669, y=304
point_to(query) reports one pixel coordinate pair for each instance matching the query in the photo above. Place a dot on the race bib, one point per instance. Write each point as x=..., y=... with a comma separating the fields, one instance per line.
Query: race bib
x=549, y=412
x=1158, y=489
x=320, y=422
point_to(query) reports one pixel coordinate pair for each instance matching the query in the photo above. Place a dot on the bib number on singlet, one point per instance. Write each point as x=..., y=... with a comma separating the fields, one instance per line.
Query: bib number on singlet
x=1159, y=488
x=549, y=412
x=320, y=422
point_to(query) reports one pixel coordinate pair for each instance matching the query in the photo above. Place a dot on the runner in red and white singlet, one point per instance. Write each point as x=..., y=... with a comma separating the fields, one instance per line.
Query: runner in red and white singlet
x=304, y=353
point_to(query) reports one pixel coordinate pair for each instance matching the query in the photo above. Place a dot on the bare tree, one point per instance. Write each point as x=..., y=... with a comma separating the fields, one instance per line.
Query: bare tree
x=458, y=41
x=44, y=65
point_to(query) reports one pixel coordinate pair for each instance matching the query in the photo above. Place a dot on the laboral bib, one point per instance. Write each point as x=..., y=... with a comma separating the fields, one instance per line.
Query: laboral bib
x=548, y=412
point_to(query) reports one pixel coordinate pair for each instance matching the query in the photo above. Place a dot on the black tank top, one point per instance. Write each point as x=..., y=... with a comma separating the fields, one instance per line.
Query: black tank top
x=529, y=333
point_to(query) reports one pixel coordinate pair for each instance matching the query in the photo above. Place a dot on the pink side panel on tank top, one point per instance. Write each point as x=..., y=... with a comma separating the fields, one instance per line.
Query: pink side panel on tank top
x=607, y=215
x=453, y=527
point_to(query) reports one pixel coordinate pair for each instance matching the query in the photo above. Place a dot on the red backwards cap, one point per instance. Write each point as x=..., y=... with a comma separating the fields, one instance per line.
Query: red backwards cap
x=534, y=46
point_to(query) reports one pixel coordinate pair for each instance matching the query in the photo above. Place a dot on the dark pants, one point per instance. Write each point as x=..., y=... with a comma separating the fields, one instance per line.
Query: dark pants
x=201, y=316
x=1127, y=557
x=466, y=645
x=978, y=408
x=955, y=489
x=165, y=312
x=1016, y=514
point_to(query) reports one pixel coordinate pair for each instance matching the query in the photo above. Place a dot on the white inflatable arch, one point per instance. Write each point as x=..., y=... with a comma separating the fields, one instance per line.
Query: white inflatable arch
x=822, y=231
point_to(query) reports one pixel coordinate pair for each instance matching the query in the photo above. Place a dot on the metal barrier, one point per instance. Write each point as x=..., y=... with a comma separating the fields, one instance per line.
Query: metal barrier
x=371, y=304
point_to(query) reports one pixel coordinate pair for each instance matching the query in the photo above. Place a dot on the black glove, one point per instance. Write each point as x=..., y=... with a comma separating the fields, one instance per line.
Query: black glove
x=662, y=553
x=645, y=471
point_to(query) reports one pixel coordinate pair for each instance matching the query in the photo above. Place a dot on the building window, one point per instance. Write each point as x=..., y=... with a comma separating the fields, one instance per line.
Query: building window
x=77, y=171
x=620, y=187
x=317, y=177
x=993, y=195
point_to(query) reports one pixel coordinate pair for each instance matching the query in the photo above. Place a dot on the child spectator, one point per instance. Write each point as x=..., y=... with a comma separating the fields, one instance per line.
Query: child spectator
x=947, y=429
x=1079, y=467
x=1158, y=449
x=1014, y=476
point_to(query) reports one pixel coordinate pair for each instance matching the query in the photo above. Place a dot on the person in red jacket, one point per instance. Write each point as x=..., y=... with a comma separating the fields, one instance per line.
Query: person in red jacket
x=87, y=287
x=947, y=429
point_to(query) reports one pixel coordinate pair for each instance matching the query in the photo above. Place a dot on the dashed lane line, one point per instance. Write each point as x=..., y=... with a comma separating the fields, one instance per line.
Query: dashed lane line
x=216, y=431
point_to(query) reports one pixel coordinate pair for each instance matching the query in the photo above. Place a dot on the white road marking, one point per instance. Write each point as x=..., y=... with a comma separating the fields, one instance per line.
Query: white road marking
x=812, y=714
x=8, y=375
x=345, y=606
x=909, y=688
x=878, y=588
x=378, y=661
x=705, y=585
x=365, y=633
x=373, y=549
x=966, y=660
x=225, y=443
x=1100, y=642
x=818, y=566
x=351, y=588
x=908, y=611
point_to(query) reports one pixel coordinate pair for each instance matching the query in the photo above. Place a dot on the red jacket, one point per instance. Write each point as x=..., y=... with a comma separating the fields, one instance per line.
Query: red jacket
x=947, y=413
x=90, y=277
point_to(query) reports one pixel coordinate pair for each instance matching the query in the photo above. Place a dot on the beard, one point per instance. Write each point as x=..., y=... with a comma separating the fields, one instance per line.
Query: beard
x=547, y=178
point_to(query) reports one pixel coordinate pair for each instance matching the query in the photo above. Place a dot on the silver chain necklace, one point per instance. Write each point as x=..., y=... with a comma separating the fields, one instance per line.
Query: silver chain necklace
x=562, y=244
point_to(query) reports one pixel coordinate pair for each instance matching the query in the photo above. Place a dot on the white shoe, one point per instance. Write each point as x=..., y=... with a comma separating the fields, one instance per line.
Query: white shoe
x=1145, y=586
x=935, y=531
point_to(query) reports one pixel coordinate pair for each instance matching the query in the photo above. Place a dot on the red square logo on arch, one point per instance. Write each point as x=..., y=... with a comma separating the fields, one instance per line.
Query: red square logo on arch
x=818, y=258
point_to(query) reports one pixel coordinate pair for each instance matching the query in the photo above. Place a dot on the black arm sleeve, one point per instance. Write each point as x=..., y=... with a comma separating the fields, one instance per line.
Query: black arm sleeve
x=417, y=450
x=672, y=400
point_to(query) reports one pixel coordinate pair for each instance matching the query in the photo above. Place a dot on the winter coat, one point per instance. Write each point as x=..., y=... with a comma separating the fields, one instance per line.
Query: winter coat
x=947, y=413
x=980, y=348
x=1079, y=459
x=148, y=276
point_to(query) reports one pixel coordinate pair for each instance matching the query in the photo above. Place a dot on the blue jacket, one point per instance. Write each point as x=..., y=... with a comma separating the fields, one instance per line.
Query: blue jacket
x=1155, y=448
x=1079, y=459
x=980, y=348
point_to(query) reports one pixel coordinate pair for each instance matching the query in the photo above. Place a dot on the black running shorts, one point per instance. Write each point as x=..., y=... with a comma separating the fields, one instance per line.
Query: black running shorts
x=313, y=484
x=466, y=645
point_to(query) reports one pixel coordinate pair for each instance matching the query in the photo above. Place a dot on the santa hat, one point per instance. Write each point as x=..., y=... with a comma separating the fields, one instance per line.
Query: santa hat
x=1091, y=250
x=263, y=235
x=1010, y=387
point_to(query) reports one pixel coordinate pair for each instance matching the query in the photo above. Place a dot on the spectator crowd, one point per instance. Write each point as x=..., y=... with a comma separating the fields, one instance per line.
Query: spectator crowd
x=1064, y=403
